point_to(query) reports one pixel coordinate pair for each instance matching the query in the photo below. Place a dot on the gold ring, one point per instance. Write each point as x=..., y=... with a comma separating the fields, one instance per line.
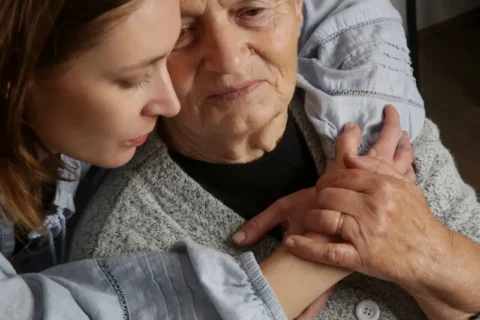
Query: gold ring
x=340, y=224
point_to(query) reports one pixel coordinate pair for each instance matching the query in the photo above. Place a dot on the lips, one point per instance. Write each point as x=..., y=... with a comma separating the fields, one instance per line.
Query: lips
x=236, y=92
x=138, y=141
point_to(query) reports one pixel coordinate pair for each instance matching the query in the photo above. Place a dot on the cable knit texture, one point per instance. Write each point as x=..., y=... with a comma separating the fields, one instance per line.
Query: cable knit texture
x=151, y=203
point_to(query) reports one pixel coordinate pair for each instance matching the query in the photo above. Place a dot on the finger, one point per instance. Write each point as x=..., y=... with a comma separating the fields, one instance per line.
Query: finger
x=275, y=214
x=389, y=137
x=373, y=165
x=339, y=200
x=404, y=154
x=353, y=179
x=314, y=309
x=348, y=141
x=349, y=228
x=342, y=255
x=322, y=221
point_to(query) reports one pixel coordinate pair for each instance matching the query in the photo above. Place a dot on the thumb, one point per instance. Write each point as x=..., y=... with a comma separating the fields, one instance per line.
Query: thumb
x=275, y=214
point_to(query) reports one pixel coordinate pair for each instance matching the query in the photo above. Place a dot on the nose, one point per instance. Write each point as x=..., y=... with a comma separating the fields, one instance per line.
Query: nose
x=225, y=51
x=166, y=103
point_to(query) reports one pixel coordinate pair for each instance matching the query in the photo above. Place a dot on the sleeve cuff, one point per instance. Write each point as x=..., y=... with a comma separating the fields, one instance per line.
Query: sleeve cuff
x=260, y=285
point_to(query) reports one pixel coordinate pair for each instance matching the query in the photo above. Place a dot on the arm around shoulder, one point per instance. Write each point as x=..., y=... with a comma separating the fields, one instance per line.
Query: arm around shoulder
x=353, y=61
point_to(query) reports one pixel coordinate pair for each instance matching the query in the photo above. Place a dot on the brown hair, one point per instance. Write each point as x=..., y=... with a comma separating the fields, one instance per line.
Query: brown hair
x=38, y=35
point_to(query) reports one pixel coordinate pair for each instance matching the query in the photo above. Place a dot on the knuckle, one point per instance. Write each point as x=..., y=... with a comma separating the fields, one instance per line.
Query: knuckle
x=385, y=187
x=335, y=255
x=381, y=227
x=254, y=224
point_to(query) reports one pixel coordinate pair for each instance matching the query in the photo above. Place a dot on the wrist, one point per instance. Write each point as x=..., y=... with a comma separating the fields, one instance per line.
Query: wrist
x=296, y=282
x=447, y=283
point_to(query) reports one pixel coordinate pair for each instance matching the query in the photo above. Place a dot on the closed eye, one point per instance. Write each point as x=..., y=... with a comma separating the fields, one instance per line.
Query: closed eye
x=136, y=84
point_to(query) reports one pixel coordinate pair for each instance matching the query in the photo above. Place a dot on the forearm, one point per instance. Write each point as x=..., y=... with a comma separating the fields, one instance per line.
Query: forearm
x=456, y=205
x=450, y=288
x=296, y=282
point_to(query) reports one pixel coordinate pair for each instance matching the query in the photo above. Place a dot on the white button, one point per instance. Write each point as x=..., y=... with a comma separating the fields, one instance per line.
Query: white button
x=367, y=310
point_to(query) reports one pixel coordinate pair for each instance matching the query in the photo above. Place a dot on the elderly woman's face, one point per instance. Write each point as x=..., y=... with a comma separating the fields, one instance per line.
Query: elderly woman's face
x=234, y=65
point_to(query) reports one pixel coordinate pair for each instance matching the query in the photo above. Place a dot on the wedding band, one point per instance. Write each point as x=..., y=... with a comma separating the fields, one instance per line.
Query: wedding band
x=340, y=224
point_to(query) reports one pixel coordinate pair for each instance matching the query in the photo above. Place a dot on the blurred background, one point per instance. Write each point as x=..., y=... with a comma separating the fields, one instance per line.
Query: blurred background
x=446, y=48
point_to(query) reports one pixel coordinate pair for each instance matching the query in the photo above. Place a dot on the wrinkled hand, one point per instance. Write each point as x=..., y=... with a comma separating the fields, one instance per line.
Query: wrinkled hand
x=393, y=149
x=388, y=229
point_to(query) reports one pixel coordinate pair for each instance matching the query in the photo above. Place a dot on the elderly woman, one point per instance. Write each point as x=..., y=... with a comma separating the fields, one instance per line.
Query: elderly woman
x=236, y=147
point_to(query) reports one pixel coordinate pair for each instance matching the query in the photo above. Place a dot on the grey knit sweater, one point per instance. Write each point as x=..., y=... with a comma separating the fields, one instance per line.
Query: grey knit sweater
x=151, y=203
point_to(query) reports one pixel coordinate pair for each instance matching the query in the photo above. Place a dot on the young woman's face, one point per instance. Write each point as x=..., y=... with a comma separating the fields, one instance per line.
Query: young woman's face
x=108, y=100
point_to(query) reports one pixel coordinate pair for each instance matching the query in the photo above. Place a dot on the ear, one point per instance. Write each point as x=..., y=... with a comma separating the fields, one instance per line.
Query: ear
x=298, y=7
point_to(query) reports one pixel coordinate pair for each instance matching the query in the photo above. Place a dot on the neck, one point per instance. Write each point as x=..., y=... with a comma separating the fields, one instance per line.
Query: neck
x=221, y=148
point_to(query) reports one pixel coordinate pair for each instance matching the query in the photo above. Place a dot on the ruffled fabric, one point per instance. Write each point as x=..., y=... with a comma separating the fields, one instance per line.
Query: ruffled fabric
x=62, y=206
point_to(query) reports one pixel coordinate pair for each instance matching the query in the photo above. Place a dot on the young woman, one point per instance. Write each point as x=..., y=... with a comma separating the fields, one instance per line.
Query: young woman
x=83, y=81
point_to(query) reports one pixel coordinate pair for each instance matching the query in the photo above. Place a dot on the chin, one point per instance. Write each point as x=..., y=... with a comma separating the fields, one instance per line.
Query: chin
x=251, y=122
x=118, y=159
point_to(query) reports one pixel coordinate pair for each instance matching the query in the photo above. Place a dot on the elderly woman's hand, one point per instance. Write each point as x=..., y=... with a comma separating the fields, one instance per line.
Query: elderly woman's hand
x=388, y=232
x=392, y=148
x=382, y=219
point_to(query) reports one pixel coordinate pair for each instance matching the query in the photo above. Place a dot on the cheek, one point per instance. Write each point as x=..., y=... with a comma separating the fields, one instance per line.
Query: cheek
x=278, y=46
x=86, y=126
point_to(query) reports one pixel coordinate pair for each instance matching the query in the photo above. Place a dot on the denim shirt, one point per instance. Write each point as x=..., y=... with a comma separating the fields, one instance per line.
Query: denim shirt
x=43, y=251
x=353, y=60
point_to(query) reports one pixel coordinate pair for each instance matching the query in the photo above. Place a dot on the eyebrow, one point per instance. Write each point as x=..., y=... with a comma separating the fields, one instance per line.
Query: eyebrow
x=144, y=63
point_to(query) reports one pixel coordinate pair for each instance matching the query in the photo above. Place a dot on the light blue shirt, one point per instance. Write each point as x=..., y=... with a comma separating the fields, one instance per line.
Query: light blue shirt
x=353, y=61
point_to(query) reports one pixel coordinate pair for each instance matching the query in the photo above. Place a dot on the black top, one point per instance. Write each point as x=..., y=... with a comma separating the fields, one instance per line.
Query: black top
x=250, y=188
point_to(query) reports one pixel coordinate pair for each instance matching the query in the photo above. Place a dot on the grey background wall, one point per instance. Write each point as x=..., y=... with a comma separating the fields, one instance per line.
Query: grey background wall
x=430, y=12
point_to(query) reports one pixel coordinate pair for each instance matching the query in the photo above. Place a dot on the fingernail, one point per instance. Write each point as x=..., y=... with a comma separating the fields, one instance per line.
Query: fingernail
x=290, y=243
x=350, y=126
x=239, y=237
